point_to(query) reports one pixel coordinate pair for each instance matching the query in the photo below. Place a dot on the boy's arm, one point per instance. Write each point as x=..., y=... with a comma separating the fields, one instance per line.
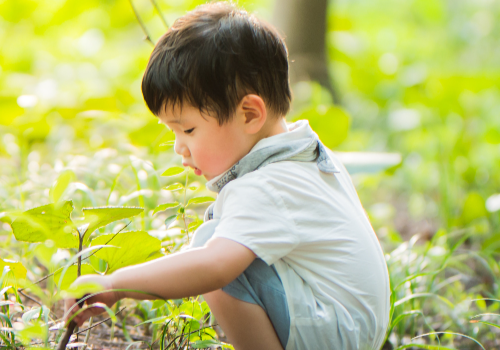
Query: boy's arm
x=193, y=272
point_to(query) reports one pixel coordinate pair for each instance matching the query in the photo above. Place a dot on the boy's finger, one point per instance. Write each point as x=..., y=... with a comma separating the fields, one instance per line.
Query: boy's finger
x=86, y=314
x=69, y=309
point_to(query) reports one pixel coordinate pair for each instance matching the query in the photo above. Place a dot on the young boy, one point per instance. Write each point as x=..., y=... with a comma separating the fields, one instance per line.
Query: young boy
x=287, y=257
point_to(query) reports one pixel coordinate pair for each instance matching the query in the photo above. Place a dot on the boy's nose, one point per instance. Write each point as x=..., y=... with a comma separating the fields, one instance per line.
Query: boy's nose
x=180, y=148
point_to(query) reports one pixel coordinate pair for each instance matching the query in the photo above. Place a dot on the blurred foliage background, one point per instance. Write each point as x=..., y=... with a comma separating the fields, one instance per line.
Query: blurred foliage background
x=417, y=77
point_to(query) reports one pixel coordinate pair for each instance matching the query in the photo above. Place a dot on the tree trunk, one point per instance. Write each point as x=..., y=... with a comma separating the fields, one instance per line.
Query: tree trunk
x=303, y=23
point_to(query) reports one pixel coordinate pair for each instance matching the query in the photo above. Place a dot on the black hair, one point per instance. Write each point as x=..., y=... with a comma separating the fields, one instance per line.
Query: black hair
x=212, y=57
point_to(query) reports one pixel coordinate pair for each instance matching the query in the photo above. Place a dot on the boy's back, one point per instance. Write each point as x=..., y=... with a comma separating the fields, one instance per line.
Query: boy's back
x=312, y=227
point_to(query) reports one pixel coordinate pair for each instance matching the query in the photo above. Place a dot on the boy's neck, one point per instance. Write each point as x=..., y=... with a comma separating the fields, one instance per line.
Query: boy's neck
x=275, y=127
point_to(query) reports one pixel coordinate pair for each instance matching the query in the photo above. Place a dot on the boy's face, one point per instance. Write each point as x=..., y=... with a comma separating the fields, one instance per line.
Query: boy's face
x=207, y=147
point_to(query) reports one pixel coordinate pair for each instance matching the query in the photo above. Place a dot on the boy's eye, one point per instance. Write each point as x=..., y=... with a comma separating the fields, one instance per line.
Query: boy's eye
x=189, y=131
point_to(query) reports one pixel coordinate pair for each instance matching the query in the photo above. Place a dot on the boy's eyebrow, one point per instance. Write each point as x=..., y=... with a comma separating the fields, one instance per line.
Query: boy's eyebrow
x=175, y=121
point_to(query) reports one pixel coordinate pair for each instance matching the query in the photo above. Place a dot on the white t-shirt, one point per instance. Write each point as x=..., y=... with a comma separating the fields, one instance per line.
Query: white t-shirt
x=312, y=227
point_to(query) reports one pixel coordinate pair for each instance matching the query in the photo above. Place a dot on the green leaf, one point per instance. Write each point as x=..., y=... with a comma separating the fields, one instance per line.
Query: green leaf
x=199, y=200
x=174, y=187
x=165, y=206
x=34, y=313
x=51, y=221
x=16, y=267
x=100, y=217
x=170, y=219
x=193, y=226
x=203, y=344
x=132, y=248
x=192, y=308
x=176, y=170
x=60, y=185
x=157, y=304
x=71, y=274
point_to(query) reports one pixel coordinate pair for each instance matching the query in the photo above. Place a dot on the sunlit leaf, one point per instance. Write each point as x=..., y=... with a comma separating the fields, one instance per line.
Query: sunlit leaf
x=16, y=267
x=132, y=248
x=49, y=221
x=170, y=219
x=165, y=206
x=100, y=217
x=173, y=171
x=199, y=200
x=174, y=187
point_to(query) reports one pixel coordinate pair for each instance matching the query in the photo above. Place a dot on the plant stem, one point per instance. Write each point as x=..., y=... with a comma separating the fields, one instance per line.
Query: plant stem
x=72, y=325
x=80, y=247
x=184, y=204
x=144, y=29
x=155, y=4
x=87, y=336
x=100, y=322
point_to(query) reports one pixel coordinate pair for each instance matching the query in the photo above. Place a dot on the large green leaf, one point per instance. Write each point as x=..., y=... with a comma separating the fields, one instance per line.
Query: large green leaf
x=100, y=217
x=51, y=221
x=71, y=274
x=16, y=267
x=132, y=248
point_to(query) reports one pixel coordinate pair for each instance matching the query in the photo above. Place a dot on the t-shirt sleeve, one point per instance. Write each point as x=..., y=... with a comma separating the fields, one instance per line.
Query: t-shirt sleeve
x=254, y=215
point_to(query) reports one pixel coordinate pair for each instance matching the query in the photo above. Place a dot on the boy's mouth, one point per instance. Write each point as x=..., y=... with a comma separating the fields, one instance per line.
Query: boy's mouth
x=197, y=171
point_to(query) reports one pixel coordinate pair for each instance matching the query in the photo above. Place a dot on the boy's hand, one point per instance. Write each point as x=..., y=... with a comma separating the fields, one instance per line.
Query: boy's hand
x=107, y=298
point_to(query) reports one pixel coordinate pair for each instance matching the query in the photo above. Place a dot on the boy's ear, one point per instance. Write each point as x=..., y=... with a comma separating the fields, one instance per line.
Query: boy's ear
x=252, y=113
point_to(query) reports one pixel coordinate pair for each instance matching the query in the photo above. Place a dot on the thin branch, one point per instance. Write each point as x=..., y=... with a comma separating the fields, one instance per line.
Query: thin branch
x=87, y=336
x=163, y=19
x=20, y=291
x=95, y=251
x=100, y=322
x=141, y=23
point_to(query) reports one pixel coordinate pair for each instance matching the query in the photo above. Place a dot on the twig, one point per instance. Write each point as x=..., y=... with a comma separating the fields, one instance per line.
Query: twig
x=184, y=205
x=144, y=29
x=20, y=291
x=123, y=228
x=100, y=322
x=65, y=338
x=155, y=4
x=87, y=336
